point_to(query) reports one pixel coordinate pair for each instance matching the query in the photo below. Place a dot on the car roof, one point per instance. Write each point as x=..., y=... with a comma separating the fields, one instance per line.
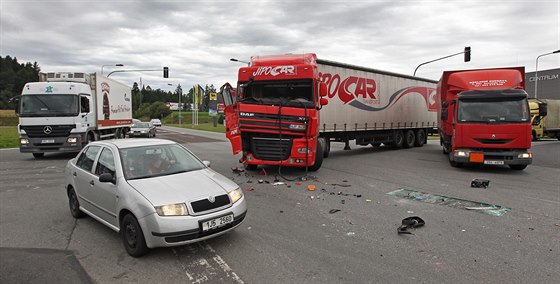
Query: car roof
x=131, y=143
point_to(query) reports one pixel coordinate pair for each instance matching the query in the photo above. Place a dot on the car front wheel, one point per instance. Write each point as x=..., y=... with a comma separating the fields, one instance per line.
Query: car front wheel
x=133, y=238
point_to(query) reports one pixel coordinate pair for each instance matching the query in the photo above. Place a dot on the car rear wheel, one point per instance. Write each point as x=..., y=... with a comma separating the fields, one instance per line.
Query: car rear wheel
x=74, y=204
x=133, y=237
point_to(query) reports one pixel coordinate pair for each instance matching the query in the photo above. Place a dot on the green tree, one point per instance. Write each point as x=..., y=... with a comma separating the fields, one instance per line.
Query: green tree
x=13, y=76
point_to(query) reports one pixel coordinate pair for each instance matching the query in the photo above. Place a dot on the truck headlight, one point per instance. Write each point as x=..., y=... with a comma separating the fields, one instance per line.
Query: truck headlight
x=297, y=126
x=460, y=153
x=179, y=209
x=525, y=156
x=235, y=195
x=23, y=141
x=72, y=140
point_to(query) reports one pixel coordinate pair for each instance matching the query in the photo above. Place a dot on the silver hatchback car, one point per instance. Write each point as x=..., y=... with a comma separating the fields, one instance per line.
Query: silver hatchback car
x=155, y=192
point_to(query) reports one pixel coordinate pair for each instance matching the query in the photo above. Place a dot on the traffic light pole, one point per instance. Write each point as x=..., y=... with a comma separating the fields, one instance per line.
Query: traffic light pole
x=467, y=53
x=165, y=71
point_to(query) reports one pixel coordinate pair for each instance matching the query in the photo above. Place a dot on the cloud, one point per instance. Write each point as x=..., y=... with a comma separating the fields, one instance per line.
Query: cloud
x=196, y=39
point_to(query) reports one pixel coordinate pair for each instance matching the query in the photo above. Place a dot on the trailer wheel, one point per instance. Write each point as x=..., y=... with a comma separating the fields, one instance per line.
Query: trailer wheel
x=409, y=139
x=90, y=137
x=318, y=158
x=398, y=139
x=420, y=138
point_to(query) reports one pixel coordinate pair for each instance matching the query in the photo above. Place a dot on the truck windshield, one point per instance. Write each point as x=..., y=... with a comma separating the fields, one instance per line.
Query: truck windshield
x=493, y=110
x=48, y=105
x=297, y=93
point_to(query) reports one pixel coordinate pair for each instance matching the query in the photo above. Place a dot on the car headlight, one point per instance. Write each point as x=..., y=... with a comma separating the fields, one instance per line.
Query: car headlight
x=179, y=209
x=235, y=195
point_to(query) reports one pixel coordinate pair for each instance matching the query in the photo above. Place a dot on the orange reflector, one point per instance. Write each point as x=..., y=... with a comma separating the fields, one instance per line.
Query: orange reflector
x=476, y=158
x=311, y=187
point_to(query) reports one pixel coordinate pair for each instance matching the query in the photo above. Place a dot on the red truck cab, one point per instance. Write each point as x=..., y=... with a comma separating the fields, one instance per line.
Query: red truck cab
x=484, y=117
x=272, y=116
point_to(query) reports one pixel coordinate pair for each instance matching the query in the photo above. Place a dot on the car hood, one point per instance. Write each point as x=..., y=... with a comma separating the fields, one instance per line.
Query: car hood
x=183, y=187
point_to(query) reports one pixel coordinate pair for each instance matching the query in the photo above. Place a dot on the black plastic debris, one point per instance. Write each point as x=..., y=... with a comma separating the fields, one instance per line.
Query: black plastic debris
x=332, y=211
x=341, y=185
x=410, y=223
x=477, y=182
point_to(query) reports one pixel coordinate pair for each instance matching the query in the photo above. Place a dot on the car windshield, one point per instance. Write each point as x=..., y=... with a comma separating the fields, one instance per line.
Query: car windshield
x=297, y=93
x=158, y=160
x=493, y=111
x=48, y=105
x=141, y=125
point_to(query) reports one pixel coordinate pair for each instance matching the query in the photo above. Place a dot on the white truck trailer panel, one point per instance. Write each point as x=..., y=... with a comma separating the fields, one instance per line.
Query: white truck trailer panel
x=366, y=100
x=113, y=102
x=552, y=119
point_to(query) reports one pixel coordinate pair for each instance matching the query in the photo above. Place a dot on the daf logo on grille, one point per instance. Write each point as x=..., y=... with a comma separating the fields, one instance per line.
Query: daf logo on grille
x=47, y=129
x=493, y=136
x=212, y=199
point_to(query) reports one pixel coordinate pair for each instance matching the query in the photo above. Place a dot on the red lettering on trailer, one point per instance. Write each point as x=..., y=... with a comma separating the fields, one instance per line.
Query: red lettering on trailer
x=350, y=88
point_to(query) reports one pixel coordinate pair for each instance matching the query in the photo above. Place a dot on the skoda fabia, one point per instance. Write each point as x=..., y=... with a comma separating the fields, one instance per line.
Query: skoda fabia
x=154, y=192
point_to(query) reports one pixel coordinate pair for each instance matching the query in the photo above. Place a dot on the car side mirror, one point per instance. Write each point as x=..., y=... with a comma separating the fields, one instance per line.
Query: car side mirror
x=107, y=177
x=207, y=163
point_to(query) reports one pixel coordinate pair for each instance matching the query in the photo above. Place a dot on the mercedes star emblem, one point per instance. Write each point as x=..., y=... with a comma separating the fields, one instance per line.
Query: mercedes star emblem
x=47, y=129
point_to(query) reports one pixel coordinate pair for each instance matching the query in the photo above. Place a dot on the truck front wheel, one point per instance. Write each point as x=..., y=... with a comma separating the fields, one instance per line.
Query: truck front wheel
x=318, y=158
x=517, y=167
x=38, y=155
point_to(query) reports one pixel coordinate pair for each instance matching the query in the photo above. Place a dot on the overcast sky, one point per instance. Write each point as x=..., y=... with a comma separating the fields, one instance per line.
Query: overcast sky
x=196, y=39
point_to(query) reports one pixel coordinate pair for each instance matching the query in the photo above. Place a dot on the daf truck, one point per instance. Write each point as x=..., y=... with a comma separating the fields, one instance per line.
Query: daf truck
x=286, y=110
x=484, y=117
x=66, y=110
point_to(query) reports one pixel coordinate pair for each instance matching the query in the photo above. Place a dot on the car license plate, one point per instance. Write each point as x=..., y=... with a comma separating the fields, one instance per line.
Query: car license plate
x=217, y=222
x=46, y=141
x=493, y=162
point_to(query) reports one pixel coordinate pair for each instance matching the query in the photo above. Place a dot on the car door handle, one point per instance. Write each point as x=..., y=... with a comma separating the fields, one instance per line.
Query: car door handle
x=91, y=182
x=75, y=174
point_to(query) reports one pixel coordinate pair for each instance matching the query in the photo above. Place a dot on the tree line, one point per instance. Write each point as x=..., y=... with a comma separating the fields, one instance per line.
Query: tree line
x=146, y=102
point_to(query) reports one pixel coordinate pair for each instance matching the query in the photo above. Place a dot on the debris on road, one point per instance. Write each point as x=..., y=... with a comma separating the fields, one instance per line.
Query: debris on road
x=311, y=187
x=410, y=223
x=477, y=182
x=237, y=170
x=332, y=211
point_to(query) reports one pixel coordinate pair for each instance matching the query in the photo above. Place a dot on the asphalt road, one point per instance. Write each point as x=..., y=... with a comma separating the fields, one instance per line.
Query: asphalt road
x=293, y=235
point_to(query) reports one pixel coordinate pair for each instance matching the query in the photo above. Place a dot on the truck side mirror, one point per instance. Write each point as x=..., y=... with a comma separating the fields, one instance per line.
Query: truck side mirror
x=15, y=100
x=444, y=114
x=324, y=101
x=323, y=90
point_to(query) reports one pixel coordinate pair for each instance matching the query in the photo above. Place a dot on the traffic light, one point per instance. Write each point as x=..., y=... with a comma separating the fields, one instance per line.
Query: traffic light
x=165, y=72
x=467, y=53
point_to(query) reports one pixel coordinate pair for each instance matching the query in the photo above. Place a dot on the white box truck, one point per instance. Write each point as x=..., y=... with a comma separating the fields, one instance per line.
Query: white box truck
x=287, y=109
x=64, y=111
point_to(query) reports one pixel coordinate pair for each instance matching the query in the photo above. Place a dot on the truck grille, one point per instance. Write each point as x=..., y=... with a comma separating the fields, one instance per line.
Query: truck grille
x=271, y=149
x=270, y=123
x=205, y=205
x=55, y=130
x=494, y=141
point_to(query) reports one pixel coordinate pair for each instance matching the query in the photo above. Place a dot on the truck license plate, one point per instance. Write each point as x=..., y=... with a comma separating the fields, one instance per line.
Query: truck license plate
x=47, y=141
x=217, y=222
x=493, y=162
